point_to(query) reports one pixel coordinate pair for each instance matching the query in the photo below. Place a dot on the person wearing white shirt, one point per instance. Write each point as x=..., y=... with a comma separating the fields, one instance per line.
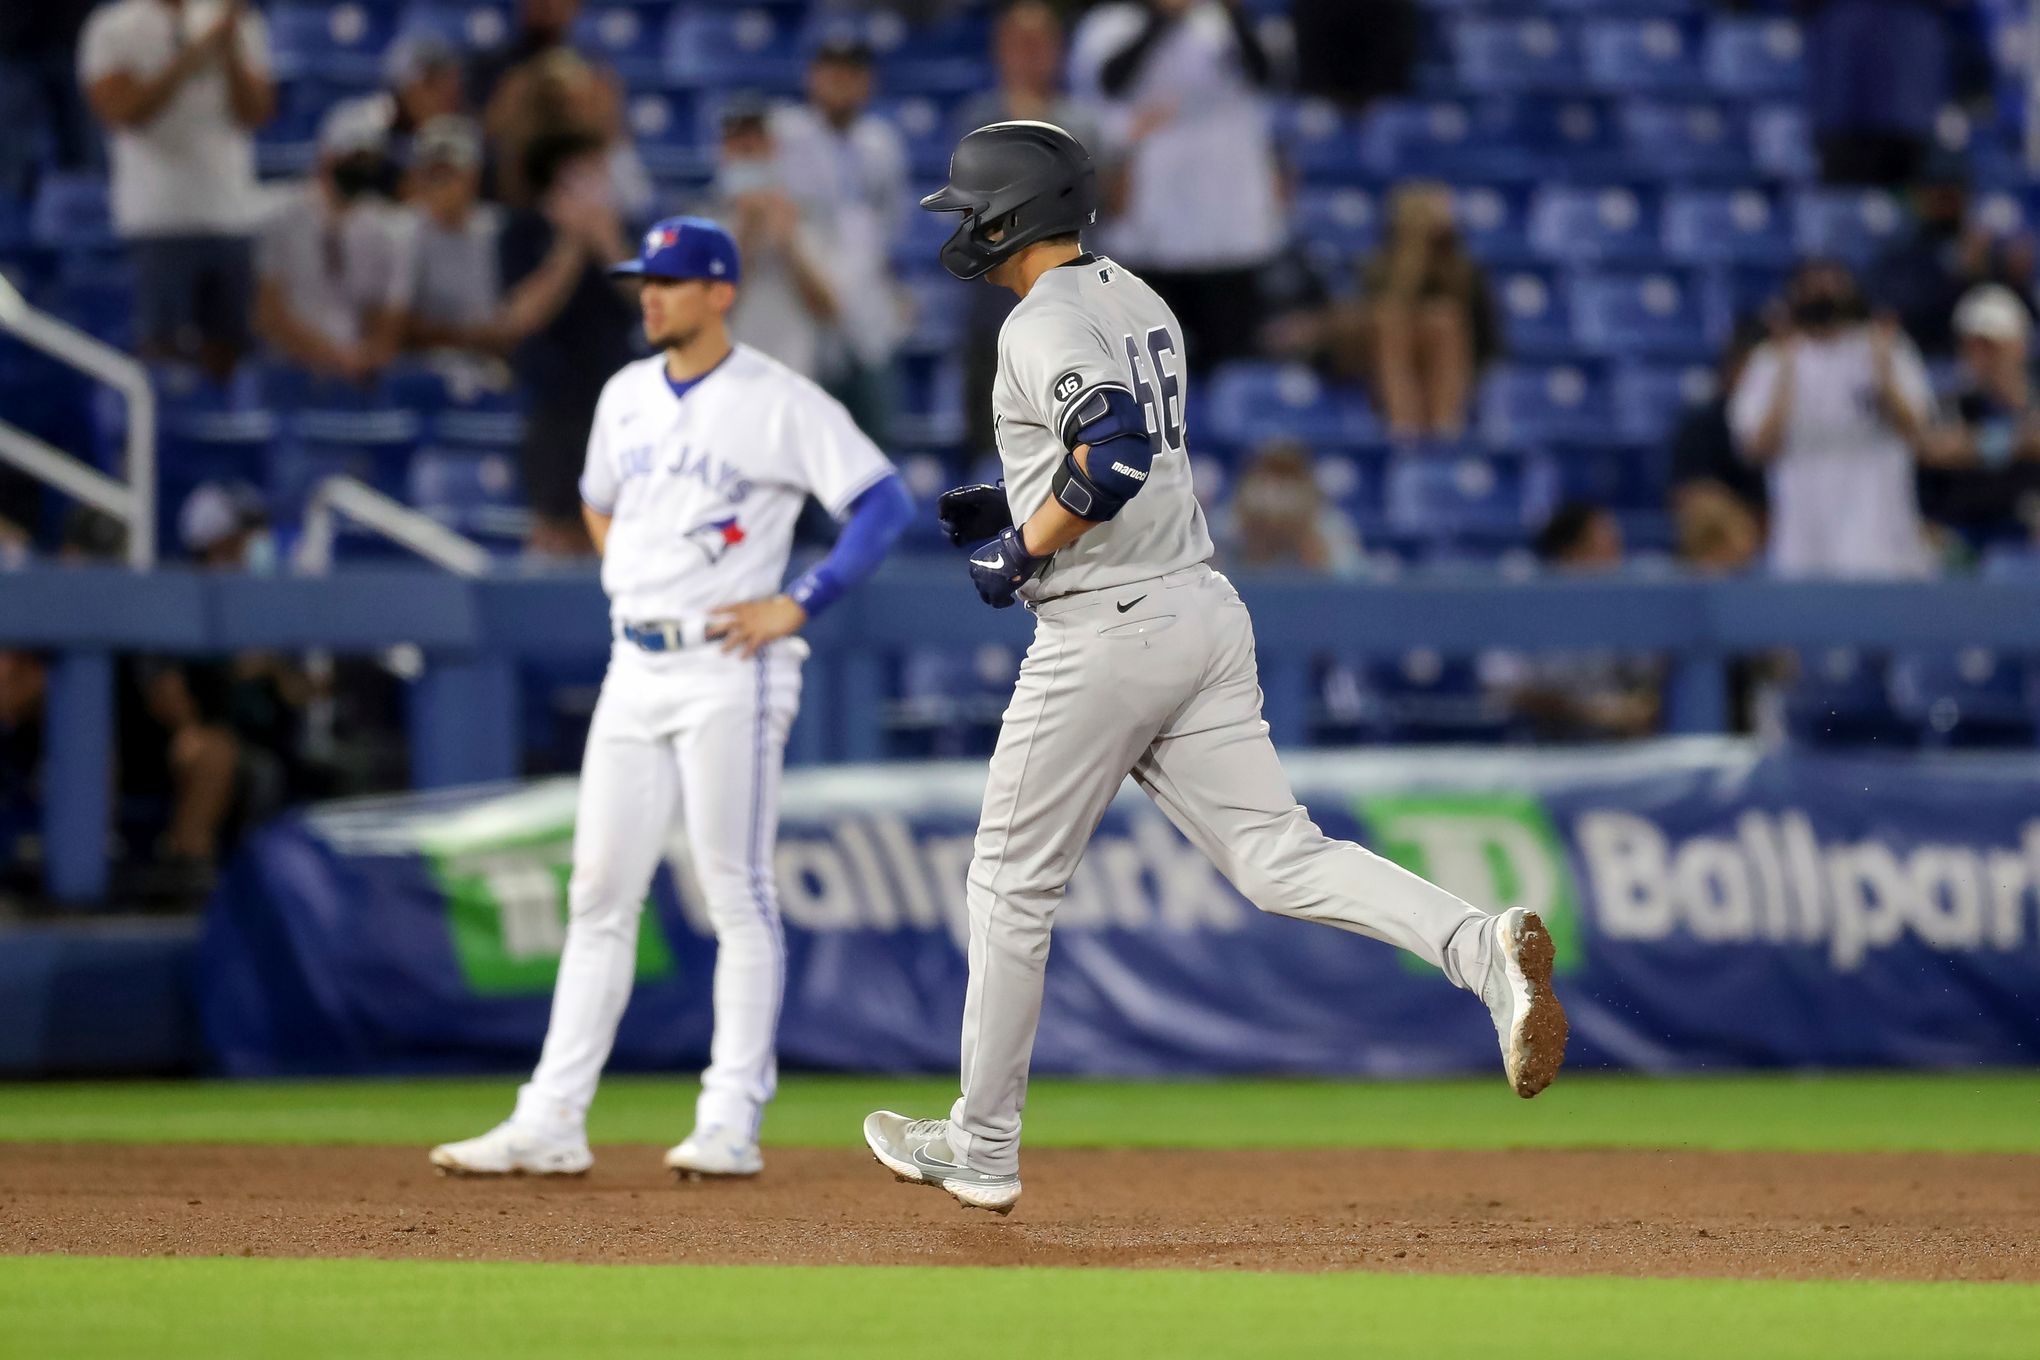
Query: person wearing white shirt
x=1833, y=408
x=1183, y=83
x=333, y=265
x=181, y=85
x=851, y=166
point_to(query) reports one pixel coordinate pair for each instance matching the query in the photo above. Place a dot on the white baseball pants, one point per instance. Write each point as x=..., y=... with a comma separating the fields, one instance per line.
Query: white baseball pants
x=704, y=732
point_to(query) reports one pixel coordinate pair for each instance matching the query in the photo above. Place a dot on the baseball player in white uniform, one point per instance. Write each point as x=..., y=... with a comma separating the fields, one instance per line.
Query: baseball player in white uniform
x=1142, y=663
x=698, y=463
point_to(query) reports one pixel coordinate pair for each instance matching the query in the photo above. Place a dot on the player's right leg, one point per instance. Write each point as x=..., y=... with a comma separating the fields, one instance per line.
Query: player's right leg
x=628, y=787
x=1216, y=775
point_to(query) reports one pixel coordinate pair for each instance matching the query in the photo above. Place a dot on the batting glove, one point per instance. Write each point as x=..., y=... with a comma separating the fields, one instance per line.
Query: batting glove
x=971, y=514
x=1000, y=567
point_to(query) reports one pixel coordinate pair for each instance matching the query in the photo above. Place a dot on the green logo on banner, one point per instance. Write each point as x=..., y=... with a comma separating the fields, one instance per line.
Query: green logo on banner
x=1496, y=850
x=506, y=909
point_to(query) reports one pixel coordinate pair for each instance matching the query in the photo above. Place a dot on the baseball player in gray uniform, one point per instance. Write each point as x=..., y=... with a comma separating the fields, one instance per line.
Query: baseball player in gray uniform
x=1142, y=663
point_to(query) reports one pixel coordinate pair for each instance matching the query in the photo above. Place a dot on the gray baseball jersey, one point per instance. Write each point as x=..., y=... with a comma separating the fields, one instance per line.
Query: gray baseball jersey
x=1158, y=681
x=1086, y=325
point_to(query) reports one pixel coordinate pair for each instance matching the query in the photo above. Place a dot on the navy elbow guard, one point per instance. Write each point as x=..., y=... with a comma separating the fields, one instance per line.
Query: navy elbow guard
x=1108, y=419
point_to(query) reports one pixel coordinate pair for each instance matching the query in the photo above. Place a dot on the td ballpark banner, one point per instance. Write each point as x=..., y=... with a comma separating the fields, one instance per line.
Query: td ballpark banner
x=1713, y=907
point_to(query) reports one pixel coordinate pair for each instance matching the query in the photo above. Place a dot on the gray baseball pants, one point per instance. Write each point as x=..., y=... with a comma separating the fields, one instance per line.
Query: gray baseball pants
x=1166, y=690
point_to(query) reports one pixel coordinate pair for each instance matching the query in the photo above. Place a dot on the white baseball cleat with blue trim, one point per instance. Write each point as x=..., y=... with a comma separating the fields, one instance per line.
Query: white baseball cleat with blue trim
x=715, y=1151
x=1529, y=1021
x=513, y=1149
x=918, y=1151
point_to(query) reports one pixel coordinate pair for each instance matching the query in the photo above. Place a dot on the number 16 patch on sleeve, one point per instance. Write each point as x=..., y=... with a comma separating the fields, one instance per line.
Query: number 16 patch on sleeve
x=1068, y=385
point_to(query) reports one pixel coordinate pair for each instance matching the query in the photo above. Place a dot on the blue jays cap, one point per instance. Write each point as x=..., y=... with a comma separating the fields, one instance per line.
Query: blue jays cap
x=685, y=248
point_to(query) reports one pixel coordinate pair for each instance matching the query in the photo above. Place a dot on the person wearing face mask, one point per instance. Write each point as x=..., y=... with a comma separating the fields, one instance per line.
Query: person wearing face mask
x=1832, y=407
x=1980, y=464
x=333, y=265
x=788, y=303
x=1279, y=520
x=1946, y=251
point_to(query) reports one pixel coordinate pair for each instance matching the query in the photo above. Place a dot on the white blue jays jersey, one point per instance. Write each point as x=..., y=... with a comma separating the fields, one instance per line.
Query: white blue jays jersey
x=703, y=490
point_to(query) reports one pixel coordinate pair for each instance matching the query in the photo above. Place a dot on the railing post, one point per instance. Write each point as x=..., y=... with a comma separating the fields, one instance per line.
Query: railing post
x=78, y=777
x=1696, y=695
x=464, y=722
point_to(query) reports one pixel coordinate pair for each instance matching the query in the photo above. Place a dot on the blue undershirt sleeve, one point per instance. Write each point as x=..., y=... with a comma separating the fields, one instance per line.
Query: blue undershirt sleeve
x=874, y=523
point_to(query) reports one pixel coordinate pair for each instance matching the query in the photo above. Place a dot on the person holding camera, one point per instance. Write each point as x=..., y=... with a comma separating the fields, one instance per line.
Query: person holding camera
x=1832, y=406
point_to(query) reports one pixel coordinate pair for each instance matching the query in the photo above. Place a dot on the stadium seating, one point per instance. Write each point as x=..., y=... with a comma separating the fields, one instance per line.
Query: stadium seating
x=1725, y=226
x=340, y=42
x=1651, y=314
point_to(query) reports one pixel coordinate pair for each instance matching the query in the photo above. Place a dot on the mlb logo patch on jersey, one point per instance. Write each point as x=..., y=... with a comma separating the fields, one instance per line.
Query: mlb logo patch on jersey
x=1068, y=385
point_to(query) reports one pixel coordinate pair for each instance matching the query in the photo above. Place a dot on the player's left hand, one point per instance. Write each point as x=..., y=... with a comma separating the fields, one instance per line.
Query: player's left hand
x=999, y=568
x=748, y=627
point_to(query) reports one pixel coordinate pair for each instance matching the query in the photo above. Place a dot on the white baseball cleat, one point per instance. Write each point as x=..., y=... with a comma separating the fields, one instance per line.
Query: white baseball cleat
x=1528, y=1018
x=512, y=1149
x=714, y=1150
x=918, y=1151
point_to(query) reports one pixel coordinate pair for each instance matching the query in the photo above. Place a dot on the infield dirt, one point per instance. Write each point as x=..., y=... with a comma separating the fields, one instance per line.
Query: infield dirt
x=1756, y=1215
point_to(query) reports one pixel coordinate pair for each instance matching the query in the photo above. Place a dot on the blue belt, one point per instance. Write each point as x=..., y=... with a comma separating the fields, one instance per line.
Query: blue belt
x=661, y=636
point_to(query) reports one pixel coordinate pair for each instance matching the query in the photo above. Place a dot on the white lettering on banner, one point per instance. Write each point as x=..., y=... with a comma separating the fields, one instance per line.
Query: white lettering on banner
x=527, y=893
x=874, y=873
x=1775, y=882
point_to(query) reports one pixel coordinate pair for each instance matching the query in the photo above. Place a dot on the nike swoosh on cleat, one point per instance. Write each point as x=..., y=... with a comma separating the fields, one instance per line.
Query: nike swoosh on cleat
x=920, y=1157
x=1130, y=604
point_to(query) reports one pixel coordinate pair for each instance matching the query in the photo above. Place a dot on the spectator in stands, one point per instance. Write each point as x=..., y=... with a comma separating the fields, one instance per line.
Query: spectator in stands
x=573, y=326
x=1203, y=215
x=40, y=94
x=333, y=265
x=181, y=85
x=852, y=165
x=426, y=82
x=1877, y=76
x=1356, y=51
x=1945, y=253
x=456, y=278
x=1279, y=519
x=1579, y=696
x=1424, y=323
x=537, y=85
x=1832, y=407
x=1027, y=53
x=787, y=302
x=1981, y=462
x=1718, y=497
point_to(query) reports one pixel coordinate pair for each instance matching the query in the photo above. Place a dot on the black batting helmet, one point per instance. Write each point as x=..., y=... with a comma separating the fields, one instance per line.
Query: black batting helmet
x=1025, y=180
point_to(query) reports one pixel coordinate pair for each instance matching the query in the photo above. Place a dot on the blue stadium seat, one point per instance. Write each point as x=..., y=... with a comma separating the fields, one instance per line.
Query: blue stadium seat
x=1494, y=498
x=1611, y=224
x=339, y=42
x=1572, y=139
x=733, y=49
x=1514, y=54
x=931, y=401
x=1339, y=222
x=1353, y=480
x=70, y=212
x=471, y=492
x=1656, y=314
x=476, y=24
x=1626, y=478
x=1683, y=140
x=1852, y=225
x=1649, y=399
x=671, y=139
x=1494, y=221
x=1533, y=404
x=1781, y=143
x=924, y=123
x=1424, y=697
x=629, y=37
x=1756, y=58
x=1536, y=312
x=1725, y=226
x=947, y=55
x=941, y=305
x=1324, y=144
x=1642, y=56
x=1252, y=401
x=1744, y=290
x=919, y=247
x=1434, y=137
x=1975, y=697
x=1842, y=698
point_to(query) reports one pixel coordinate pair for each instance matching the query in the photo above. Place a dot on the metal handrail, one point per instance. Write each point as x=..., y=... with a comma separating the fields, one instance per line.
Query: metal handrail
x=356, y=500
x=132, y=501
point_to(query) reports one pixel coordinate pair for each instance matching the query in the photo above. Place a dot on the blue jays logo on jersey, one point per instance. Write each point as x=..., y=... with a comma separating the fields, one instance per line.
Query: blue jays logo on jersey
x=717, y=537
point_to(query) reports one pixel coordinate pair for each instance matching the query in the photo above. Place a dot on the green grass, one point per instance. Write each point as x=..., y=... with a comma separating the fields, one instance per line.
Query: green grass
x=1971, y=1112
x=53, y=1308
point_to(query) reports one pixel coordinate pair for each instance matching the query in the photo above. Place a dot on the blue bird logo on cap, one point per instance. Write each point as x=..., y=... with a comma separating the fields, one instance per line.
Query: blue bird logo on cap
x=685, y=248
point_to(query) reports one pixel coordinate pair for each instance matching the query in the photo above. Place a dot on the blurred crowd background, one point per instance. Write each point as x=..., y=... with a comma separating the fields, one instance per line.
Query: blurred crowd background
x=1469, y=285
